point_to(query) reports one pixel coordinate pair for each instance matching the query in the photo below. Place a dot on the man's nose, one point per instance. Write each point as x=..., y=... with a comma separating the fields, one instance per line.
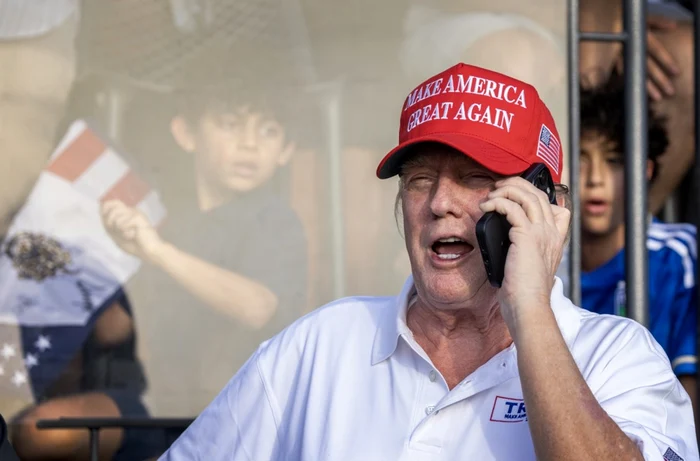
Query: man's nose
x=447, y=199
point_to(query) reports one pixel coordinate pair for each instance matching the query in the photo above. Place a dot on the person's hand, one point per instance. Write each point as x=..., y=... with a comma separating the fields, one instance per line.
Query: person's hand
x=537, y=242
x=661, y=67
x=130, y=230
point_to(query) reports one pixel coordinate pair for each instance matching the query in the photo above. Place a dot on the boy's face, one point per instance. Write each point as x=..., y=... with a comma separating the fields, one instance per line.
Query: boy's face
x=239, y=151
x=602, y=185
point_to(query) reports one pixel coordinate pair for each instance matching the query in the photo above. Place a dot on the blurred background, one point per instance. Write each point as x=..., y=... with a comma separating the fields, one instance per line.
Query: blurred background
x=184, y=178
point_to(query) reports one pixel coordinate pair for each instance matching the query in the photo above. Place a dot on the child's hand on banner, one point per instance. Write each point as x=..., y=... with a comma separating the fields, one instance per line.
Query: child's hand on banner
x=130, y=230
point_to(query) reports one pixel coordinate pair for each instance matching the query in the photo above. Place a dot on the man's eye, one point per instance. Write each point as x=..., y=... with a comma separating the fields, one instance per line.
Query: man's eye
x=615, y=160
x=420, y=181
x=478, y=179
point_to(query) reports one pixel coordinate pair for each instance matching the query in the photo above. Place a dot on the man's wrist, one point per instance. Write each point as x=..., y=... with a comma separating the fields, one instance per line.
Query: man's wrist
x=532, y=319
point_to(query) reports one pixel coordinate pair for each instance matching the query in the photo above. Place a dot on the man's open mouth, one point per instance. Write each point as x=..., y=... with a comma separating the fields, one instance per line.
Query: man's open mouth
x=451, y=248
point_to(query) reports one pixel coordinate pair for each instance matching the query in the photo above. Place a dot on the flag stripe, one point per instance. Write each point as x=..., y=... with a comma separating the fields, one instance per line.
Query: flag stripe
x=550, y=163
x=78, y=156
x=547, y=156
x=101, y=175
x=130, y=189
x=548, y=148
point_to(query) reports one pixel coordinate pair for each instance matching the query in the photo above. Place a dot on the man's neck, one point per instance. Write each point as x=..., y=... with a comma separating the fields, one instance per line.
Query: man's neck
x=596, y=250
x=458, y=341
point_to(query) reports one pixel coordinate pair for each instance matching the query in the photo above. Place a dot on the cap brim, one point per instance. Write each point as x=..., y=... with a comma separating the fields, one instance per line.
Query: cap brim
x=492, y=157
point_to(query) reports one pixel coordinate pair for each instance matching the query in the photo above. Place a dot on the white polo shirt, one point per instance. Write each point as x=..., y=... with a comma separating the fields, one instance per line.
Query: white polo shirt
x=349, y=382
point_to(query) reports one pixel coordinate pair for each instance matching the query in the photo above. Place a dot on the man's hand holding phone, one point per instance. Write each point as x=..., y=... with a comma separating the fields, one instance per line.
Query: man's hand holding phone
x=537, y=234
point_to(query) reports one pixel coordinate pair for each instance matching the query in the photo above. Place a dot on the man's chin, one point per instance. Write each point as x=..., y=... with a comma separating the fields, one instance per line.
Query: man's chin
x=452, y=288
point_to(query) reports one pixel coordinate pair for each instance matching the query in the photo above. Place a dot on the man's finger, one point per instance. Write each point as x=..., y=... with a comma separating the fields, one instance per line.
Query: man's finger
x=661, y=55
x=562, y=218
x=513, y=212
x=654, y=93
x=659, y=78
x=525, y=198
x=546, y=206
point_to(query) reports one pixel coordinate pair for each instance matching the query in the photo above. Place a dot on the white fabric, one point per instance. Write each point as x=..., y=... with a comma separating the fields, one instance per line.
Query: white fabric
x=32, y=18
x=348, y=382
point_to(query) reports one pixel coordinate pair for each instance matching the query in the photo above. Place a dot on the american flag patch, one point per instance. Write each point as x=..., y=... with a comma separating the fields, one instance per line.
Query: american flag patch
x=548, y=148
x=671, y=455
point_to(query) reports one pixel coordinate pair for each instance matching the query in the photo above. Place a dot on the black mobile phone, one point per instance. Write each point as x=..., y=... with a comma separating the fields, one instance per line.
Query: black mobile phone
x=492, y=229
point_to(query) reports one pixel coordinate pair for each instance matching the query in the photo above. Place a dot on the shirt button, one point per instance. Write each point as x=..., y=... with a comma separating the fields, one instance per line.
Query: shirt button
x=429, y=409
x=432, y=376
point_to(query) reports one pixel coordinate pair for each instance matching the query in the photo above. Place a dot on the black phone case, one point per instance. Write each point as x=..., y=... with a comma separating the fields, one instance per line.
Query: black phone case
x=492, y=234
x=492, y=229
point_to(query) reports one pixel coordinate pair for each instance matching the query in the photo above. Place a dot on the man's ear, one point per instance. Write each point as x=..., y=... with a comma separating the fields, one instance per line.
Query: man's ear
x=286, y=154
x=650, y=170
x=182, y=133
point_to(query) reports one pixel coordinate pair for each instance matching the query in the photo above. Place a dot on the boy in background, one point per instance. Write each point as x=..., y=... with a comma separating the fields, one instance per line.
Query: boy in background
x=229, y=267
x=672, y=249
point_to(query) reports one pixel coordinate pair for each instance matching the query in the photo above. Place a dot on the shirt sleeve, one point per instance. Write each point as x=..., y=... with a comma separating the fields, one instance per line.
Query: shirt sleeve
x=634, y=383
x=682, y=350
x=239, y=424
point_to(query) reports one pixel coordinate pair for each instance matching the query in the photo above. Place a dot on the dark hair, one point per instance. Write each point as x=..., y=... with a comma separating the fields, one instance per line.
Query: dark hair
x=603, y=113
x=223, y=80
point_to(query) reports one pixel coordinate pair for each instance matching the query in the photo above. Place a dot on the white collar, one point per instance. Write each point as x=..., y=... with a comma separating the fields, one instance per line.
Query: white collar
x=392, y=322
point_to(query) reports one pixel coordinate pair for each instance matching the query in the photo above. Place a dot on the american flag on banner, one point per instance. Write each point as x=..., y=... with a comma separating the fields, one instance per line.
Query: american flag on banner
x=58, y=266
x=548, y=148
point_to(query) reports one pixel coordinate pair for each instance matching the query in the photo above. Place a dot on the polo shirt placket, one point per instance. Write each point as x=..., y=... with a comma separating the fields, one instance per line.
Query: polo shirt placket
x=437, y=409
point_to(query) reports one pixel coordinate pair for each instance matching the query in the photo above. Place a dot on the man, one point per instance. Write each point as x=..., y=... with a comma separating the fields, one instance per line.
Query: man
x=229, y=267
x=672, y=253
x=454, y=368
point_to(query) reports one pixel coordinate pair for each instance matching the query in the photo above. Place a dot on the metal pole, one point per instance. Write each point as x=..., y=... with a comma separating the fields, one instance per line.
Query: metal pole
x=696, y=174
x=573, y=153
x=94, y=444
x=636, y=209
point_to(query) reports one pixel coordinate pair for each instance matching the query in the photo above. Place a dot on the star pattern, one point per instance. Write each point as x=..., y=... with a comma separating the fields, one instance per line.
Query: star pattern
x=15, y=367
x=8, y=351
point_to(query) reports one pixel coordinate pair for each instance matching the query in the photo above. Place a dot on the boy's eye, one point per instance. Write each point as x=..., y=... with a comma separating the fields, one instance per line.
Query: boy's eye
x=270, y=130
x=615, y=160
x=229, y=122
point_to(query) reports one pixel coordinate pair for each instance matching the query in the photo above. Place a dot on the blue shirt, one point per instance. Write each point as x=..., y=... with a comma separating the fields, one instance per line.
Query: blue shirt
x=672, y=292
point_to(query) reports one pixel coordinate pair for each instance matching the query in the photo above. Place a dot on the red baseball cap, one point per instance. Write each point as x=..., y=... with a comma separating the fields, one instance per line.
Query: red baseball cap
x=498, y=121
